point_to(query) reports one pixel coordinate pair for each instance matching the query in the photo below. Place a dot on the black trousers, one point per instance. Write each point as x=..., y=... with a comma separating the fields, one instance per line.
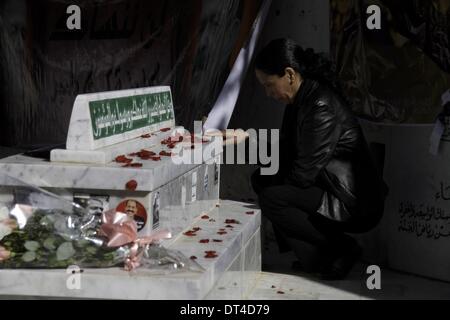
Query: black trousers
x=297, y=226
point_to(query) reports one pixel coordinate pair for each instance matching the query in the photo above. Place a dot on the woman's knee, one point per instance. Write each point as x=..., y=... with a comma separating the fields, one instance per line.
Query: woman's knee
x=271, y=197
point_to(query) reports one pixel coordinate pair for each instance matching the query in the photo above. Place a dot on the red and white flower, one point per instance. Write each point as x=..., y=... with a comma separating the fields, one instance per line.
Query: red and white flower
x=4, y=254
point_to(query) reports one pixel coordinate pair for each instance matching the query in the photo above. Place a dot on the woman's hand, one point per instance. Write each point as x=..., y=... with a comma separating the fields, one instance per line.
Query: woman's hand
x=231, y=136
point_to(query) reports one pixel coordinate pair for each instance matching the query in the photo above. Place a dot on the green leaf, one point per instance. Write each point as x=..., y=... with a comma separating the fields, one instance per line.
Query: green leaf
x=91, y=249
x=31, y=245
x=47, y=220
x=29, y=256
x=49, y=244
x=65, y=251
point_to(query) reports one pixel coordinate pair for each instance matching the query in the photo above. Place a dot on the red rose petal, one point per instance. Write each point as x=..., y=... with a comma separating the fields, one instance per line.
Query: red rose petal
x=193, y=258
x=222, y=232
x=190, y=233
x=135, y=165
x=148, y=135
x=145, y=153
x=217, y=240
x=123, y=159
x=165, y=153
x=229, y=226
x=196, y=229
x=250, y=212
x=211, y=254
x=231, y=221
x=131, y=185
x=204, y=241
x=156, y=158
x=280, y=292
x=165, y=129
x=205, y=217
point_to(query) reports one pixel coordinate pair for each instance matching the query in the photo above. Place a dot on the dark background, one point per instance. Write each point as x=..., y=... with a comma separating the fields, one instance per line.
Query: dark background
x=189, y=45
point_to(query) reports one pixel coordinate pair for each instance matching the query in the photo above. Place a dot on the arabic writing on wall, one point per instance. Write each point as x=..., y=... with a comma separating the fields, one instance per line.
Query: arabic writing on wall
x=425, y=219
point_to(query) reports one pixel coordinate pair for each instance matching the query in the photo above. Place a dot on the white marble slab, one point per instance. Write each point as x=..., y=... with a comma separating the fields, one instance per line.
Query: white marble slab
x=114, y=283
x=111, y=176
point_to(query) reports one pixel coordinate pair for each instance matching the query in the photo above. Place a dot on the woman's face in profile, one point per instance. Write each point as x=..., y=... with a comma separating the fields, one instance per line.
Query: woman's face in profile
x=276, y=87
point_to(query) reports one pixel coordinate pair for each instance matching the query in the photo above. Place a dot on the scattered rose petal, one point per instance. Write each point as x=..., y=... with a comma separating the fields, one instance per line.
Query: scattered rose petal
x=280, y=292
x=145, y=154
x=165, y=129
x=131, y=185
x=190, y=233
x=123, y=159
x=217, y=240
x=205, y=217
x=193, y=258
x=212, y=220
x=204, y=241
x=211, y=254
x=273, y=287
x=135, y=165
x=222, y=232
x=250, y=212
x=165, y=154
x=155, y=158
x=148, y=135
x=196, y=229
x=231, y=221
x=229, y=226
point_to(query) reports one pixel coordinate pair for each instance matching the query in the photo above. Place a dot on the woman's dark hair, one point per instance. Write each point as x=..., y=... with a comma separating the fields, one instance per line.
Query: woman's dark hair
x=282, y=53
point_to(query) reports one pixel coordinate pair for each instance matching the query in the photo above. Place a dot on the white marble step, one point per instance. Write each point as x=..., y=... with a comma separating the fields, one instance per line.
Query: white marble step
x=239, y=251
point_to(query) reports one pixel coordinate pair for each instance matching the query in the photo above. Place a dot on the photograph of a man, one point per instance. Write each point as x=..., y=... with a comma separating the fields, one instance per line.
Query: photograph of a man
x=134, y=210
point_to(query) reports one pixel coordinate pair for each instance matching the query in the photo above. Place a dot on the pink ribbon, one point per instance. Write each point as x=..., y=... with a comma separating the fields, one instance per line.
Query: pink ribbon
x=121, y=230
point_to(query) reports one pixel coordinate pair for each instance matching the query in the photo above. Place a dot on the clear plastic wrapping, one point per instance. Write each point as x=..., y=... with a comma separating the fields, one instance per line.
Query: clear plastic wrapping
x=39, y=229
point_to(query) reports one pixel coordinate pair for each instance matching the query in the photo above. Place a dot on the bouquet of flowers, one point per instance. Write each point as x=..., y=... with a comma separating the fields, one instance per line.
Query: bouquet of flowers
x=39, y=229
